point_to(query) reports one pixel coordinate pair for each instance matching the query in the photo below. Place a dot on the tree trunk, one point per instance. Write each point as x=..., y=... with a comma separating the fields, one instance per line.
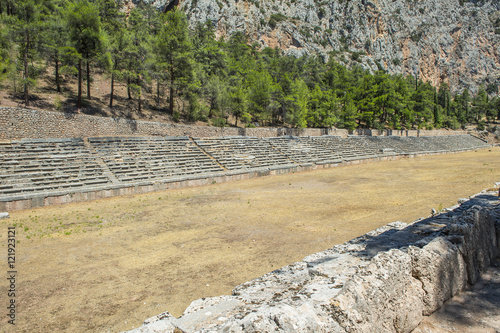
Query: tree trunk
x=58, y=83
x=112, y=89
x=128, y=89
x=26, y=92
x=158, y=91
x=140, y=92
x=171, y=91
x=88, y=79
x=79, y=104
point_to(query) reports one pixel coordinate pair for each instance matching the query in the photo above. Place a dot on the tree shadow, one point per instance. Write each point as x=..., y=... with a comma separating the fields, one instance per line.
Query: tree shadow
x=480, y=298
x=429, y=228
x=478, y=306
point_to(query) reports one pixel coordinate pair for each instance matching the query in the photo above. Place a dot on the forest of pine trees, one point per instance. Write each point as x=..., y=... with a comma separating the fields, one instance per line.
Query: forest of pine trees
x=200, y=78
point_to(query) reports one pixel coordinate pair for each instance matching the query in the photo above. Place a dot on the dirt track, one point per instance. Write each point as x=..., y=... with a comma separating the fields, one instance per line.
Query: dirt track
x=108, y=265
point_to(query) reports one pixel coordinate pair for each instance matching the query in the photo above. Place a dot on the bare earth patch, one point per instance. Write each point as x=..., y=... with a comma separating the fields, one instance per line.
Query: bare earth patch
x=107, y=265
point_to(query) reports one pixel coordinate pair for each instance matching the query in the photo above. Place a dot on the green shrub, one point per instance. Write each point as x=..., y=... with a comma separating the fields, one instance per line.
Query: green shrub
x=368, y=44
x=176, y=116
x=321, y=13
x=219, y=122
x=416, y=36
x=58, y=103
x=305, y=32
x=275, y=18
x=272, y=23
x=279, y=17
x=481, y=125
x=355, y=56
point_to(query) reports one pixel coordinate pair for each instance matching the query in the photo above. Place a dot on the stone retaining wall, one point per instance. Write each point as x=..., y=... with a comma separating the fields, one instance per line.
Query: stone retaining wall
x=384, y=281
x=20, y=123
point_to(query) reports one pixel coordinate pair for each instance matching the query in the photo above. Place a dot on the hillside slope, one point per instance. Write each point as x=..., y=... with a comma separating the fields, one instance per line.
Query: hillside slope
x=438, y=40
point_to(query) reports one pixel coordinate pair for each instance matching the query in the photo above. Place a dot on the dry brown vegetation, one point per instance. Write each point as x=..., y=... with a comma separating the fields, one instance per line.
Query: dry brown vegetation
x=108, y=265
x=45, y=97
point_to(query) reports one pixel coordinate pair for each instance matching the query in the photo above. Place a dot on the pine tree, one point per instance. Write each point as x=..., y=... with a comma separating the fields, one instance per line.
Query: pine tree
x=85, y=34
x=117, y=41
x=5, y=46
x=479, y=105
x=27, y=27
x=300, y=95
x=55, y=37
x=173, y=49
x=238, y=100
x=260, y=95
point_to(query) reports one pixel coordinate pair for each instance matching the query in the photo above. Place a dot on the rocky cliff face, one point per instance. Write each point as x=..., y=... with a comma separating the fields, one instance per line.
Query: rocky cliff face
x=439, y=40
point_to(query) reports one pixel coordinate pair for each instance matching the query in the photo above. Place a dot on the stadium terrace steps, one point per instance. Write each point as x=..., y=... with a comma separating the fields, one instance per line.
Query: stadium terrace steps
x=243, y=152
x=54, y=167
x=139, y=159
x=304, y=150
x=30, y=166
x=351, y=148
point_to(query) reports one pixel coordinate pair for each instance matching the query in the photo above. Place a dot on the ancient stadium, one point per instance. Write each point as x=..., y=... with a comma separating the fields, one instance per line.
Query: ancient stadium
x=205, y=229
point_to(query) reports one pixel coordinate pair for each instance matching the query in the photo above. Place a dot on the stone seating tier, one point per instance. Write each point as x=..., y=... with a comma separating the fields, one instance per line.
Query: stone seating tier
x=138, y=159
x=303, y=150
x=347, y=148
x=243, y=152
x=47, y=165
x=55, y=165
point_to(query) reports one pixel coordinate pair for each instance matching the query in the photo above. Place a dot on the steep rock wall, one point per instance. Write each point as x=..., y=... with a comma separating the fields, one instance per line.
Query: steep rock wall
x=455, y=41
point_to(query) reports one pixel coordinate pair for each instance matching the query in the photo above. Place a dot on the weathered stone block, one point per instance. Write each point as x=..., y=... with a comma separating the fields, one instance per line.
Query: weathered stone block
x=383, y=297
x=283, y=318
x=441, y=269
x=477, y=226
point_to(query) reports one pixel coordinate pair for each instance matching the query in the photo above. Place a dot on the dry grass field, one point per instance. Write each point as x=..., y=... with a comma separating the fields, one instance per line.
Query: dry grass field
x=107, y=265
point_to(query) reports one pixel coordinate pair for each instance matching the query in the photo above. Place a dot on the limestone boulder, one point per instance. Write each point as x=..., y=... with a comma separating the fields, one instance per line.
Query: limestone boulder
x=383, y=297
x=283, y=318
x=441, y=269
x=477, y=227
x=274, y=285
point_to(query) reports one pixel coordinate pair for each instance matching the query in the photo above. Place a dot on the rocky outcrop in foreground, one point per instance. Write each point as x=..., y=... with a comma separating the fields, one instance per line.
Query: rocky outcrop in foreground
x=384, y=281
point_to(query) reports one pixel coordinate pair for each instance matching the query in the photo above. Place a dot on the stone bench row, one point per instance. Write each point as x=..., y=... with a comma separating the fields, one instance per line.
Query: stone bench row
x=234, y=153
x=301, y=151
x=10, y=190
x=131, y=159
x=157, y=170
x=138, y=175
x=421, y=144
